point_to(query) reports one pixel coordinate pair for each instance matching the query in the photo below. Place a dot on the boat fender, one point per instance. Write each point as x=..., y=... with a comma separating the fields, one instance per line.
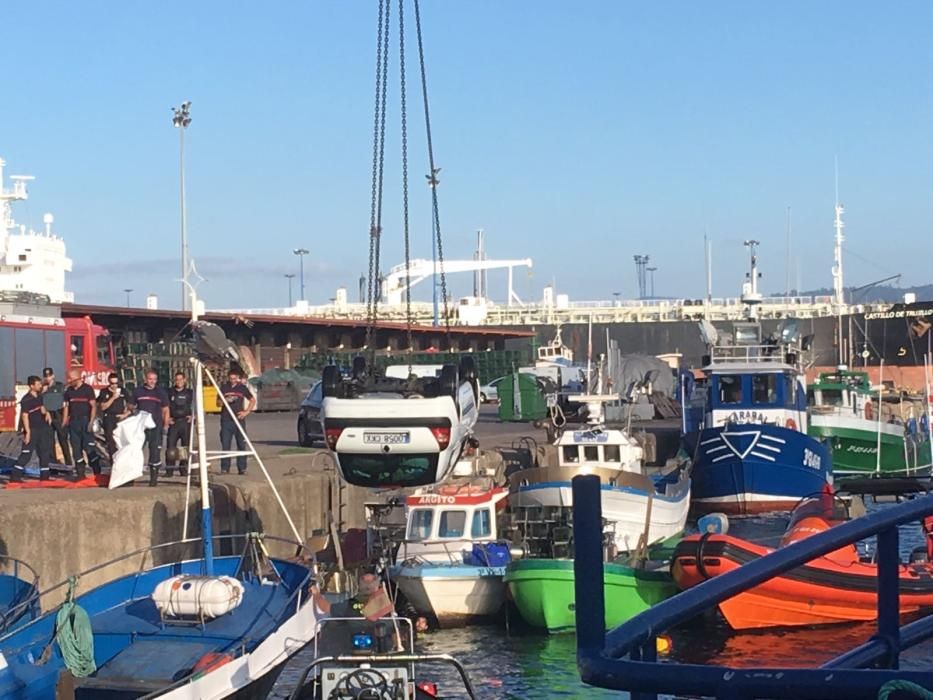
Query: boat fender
x=790, y=424
x=426, y=688
x=714, y=524
x=701, y=545
x=869, y=411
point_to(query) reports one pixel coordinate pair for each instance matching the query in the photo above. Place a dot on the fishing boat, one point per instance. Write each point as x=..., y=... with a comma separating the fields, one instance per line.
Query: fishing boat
x=166, y=624
x=450, y=564
x=746, y=425
x=838, y=587
x=851, y=417
x=19, y=593
x=642, y=508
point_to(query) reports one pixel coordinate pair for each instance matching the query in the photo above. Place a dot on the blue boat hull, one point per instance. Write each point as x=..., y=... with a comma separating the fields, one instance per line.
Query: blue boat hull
x=136, y=653
x=752, y=468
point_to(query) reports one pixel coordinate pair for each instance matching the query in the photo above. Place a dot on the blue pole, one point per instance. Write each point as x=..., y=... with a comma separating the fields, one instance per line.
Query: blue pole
x=889, y=594
x=588, y=564
x=207, y=530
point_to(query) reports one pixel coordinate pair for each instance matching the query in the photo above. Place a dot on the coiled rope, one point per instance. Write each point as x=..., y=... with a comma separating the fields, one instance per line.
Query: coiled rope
x=74, y=635
x=891, y=687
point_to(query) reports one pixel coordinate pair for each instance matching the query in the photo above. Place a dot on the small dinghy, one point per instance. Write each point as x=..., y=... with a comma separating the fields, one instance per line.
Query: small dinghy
x=837, y=587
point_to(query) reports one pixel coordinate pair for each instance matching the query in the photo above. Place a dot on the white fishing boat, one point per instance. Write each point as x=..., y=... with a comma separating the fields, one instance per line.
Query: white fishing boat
x=450, y=565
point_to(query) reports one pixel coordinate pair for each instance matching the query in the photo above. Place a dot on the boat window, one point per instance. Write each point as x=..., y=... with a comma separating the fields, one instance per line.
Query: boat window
x=590, y=453
x=452, y=523
x=832, y=397
x=482, y=523
x=419, y=525
x=764, y=388
x=570, y=453
x=611, y=453
x=730, y=388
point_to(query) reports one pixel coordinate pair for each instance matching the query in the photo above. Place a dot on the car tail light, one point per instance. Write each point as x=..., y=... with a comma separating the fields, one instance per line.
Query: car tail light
x=331, y=436
x=442, y=435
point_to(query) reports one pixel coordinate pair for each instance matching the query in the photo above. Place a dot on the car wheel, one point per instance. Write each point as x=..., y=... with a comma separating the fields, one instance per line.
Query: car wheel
x=482, y=398
x=331, y=381
x=305, y=439
x=448, y=383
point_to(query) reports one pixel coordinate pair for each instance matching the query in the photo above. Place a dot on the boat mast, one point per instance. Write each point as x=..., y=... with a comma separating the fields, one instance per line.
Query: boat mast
x=750, y=295
x=207, y=534
x=839, y=299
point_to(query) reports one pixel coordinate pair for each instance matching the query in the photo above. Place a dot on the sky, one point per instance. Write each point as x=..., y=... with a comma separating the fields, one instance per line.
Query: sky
x=575, y=134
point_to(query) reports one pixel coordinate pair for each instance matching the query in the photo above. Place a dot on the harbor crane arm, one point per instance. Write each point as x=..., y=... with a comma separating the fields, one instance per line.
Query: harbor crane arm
x=399, y=278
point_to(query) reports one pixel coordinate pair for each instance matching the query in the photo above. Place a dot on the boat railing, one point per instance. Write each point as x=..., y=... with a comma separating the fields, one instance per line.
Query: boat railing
x=28, y=595
x=625, y=658
x=144, y=554
x=745, y=353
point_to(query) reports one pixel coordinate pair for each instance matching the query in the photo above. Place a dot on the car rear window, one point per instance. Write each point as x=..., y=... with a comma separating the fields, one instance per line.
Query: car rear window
x=375, y=470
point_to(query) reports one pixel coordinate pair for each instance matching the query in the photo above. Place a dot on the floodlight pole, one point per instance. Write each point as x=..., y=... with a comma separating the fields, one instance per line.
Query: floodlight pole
x=181, y=118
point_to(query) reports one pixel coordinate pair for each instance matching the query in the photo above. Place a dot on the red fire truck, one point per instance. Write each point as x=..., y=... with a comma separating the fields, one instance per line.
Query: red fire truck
x=30, y=343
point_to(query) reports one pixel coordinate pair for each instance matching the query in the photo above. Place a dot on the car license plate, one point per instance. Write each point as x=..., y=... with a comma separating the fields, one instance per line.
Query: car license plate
x=386, y=438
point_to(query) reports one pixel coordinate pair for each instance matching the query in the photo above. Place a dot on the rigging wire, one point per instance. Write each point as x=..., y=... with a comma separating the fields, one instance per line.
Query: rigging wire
x=433, y=182
x=404, y=120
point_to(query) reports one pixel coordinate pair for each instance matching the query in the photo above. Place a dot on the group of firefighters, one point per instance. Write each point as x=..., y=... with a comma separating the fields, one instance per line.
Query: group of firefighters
x=67, y=412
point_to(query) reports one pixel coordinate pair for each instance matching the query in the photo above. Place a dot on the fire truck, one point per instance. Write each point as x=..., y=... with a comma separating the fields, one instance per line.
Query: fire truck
x=30, y=343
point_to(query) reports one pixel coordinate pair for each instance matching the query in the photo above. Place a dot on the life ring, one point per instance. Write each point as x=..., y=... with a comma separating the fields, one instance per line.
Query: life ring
x=869, y=411
x=790, y=424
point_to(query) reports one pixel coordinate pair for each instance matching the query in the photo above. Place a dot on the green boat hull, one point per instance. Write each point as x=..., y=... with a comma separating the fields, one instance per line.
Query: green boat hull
x=543, y=592
x=855, y=451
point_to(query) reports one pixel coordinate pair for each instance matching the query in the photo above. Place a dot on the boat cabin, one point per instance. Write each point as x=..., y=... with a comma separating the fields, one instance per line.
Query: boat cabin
x=598, y=447
x=842, y=393
x=444, y=522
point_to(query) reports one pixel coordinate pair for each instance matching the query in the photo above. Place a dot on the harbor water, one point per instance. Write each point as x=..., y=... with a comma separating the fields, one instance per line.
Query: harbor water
x=524, y=664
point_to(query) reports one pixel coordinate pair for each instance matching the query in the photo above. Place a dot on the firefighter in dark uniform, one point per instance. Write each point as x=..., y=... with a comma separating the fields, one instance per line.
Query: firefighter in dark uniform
x=180, y=406
x=37, y=432
x=80, y=411
x=111, y=402
x=241, y=401
x=53, y=399
x=150, y=397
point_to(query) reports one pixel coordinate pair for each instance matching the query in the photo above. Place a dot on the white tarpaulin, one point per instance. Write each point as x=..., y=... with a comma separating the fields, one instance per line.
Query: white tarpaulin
x=128, y=461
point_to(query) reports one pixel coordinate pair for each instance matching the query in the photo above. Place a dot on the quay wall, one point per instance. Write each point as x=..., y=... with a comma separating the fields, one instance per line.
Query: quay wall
x=63, y=532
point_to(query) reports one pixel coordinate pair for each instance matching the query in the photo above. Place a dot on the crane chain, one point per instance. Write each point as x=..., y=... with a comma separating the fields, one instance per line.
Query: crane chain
x=433, y=181
x=379, y=129
x=404, y=120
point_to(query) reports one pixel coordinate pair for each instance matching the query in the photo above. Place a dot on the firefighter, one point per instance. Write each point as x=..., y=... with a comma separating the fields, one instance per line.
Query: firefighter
x=111, y=402
x=53, y=398
x=180, y=406
x=80, y=409
x=241, y=402
x=150, y=397
x=37, y=432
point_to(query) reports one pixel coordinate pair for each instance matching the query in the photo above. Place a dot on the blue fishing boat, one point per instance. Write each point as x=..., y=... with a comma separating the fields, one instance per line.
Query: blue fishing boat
x=19, y=593
x=745, y=425
x=167, y=625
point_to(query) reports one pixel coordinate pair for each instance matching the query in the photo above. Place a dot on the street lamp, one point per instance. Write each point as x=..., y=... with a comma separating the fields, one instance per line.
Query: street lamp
x=127, y=297
x=290, y=277
x=181, y=118
x=301, y=253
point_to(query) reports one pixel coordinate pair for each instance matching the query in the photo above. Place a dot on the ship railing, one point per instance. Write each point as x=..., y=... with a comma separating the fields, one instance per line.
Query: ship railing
x=28, y=596
x=155, y=556
x=745, y=353
x=625, y=658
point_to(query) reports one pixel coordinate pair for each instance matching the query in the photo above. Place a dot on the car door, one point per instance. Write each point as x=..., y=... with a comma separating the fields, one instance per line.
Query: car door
x=314, y=403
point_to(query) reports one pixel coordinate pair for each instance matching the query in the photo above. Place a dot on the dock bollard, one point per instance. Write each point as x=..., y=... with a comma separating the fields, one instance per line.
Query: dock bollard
x=588, y=563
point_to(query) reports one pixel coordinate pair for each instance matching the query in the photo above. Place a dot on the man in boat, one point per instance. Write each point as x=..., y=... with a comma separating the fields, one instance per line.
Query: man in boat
x=150, y=397
x=80, y=409
x=37, y=432
x=53, y=398
x=232, y=427
x=180, y=405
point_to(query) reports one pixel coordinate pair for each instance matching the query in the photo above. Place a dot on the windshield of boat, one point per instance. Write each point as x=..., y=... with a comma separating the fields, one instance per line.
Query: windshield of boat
x=452, y=524
x=730, y=388
x=482, y=523
x=831, y=397
x=419, y=524
x=764, y=388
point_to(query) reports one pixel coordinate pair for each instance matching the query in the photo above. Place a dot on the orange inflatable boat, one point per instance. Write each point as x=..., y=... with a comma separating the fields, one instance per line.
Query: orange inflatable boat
x=837, y=587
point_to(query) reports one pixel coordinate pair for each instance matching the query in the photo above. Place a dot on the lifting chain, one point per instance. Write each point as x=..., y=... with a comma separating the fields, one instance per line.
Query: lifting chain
x=404, y=119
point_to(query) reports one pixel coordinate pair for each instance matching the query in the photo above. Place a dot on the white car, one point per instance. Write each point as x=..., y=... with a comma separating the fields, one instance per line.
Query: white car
x=490, y=392
x=391, y=432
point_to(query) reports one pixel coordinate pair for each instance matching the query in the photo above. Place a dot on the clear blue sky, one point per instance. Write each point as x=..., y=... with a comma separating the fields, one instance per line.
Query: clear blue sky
x=577, y=134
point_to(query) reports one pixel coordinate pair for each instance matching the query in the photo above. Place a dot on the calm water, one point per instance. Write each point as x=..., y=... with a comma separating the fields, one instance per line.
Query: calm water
x=539, y=666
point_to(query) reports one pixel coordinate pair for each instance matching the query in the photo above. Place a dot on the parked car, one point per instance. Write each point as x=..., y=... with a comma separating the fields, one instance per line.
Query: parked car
x=490, y=392
x=394, y=433
x=310, y=419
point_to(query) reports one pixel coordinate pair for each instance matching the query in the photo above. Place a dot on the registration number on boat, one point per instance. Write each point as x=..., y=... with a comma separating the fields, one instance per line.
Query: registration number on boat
x=386, y=438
